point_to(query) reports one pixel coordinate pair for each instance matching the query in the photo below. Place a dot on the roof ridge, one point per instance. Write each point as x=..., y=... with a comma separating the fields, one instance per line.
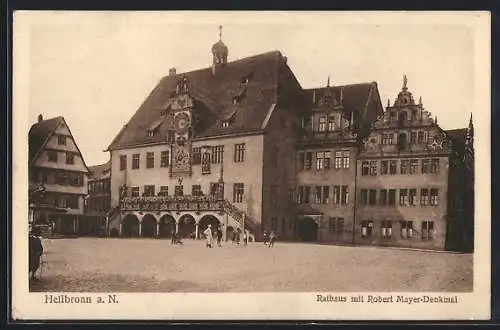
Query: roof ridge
x=337, y=86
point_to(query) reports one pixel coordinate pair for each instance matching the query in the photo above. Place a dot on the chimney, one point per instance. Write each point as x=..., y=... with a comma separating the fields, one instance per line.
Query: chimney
x=40, y=117
x=172, y=72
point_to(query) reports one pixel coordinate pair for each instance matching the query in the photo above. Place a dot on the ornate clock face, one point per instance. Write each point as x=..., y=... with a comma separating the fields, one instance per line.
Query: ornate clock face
x=181, y=123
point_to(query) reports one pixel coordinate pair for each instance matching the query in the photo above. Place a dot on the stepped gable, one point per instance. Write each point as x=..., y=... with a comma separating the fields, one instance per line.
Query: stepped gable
x=252, y=80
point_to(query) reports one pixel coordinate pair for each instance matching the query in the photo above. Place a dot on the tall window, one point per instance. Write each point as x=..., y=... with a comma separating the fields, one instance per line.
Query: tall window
x=365, y=167
x=421, y=137
x=425, y=166
x=372, y=197
x=373, y=167
x=238, y=191
x=300, y=195
x=392, y=197
x=404, y=168
x=307, y=194
x=196, y=190
x=413, y=197
x=336, y=226
x=150, y=160
x=386, y=229
x=387, y=138
x=179, y=190
x=383, y=197
x=364, y=197
x=239, y=153
x=163, y=191
x=317, y=195
x=325, y=196
x=322, y=124
x=346, y=158
x=403, y=197
x=217, y=154
x=170, y=137
x=384, y=167
x=435, y=165
x=413, y=166
x=332, y=224
x=134, y=191
x=393, y=167
x=344, y=199
x=331, y=124
x=197, y=156
x=123, y=162
x=52, y=156
x=424, y=196
x=338, y=159
x=149, y=190
x=336, y=194
x=61, y=140
x=413, y=137
x=164, y=158
x=427, y=230
x=135, y=161
x=366, y=228
x=308, y=161
x=323, y=160
x=70, y=158
x=406, y=229
x=434, y=197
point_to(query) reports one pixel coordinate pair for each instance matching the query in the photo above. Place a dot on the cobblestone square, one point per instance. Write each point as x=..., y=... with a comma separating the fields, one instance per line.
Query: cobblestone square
x=148, y=265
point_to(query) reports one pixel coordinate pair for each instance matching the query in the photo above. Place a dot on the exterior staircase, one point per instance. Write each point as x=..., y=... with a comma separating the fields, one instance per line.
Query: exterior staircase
x=250, y=224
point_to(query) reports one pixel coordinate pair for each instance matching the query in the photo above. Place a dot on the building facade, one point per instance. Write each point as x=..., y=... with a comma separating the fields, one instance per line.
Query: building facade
x=98, y=200
x=57, y=166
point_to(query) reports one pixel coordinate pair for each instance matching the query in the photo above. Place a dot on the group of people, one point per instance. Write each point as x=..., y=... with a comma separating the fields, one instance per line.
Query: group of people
x=210, y=235
x=269, y=238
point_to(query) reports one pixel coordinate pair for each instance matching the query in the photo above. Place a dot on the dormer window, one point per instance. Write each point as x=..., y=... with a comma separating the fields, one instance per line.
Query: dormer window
x=225, y=123
x=235, y=100
x=154, y=128
x=152, y=133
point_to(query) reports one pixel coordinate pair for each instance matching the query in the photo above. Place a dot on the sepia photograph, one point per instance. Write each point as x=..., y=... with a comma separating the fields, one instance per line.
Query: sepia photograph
x=318, y=157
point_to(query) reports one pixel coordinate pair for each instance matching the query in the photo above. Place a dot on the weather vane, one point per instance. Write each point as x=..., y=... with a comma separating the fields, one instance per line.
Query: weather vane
x=220, y=32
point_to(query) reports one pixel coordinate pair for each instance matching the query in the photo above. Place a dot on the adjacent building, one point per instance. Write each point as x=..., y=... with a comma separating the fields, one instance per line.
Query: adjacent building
x=97, y=202
x=56, y=167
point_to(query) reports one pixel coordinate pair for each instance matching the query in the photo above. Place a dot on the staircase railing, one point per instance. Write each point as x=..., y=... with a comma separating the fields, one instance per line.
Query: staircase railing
x=238, y=215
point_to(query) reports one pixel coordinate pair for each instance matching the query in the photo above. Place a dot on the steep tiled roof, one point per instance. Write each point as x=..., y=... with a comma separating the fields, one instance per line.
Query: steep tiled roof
x=39, y=133
x=213, y=95
x=99, y=171
x=355, y=99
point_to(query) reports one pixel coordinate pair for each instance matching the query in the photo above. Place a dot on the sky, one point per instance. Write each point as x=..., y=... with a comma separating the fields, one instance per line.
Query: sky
x=96, y=69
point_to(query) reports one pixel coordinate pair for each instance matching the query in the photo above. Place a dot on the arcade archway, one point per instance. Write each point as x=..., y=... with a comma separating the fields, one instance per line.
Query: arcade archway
x=148, y=226
x=187, y=226
x=208, y=220
x=130, y=226
x=167, y=226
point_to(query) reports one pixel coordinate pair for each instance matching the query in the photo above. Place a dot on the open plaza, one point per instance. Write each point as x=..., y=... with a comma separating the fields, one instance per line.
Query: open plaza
x=154, y=265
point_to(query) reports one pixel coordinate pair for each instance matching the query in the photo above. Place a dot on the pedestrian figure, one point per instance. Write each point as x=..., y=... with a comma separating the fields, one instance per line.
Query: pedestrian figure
x=35, y=252
x=272, y=238
x=266, y=237
x=238, y=236
x=245, y=238
x=219, y=237
x=208, y=235
x=174, y=237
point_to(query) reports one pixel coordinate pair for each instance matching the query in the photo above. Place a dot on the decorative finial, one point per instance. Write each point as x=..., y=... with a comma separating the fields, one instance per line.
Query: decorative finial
x=405, y=82
x=420, y=100
x=470, y=121
x=220, y=32
x=388, y=103
x=328, y=82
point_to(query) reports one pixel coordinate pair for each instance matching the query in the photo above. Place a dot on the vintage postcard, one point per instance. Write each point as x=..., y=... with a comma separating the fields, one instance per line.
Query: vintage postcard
x=251, y=165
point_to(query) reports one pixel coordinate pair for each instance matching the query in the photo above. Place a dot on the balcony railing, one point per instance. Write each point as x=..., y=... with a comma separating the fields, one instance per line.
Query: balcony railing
x=171, y=203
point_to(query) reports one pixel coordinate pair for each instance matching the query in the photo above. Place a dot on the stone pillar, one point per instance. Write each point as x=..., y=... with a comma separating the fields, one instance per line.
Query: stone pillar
x=121, y=228
x=140, y=228
x=177, y=226
x=197, y=231
x=157, y=229
x=75, y=224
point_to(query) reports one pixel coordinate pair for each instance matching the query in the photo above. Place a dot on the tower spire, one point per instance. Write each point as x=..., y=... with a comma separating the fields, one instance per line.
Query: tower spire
x=328, y=82
x=405, y=82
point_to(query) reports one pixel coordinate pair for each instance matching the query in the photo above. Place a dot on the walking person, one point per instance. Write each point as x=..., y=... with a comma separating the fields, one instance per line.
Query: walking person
x=208, y=234
x=272, y=238
x=35, y=251
x=219, y=237
x=245, y=238
x=266, y=237
x=174, y=234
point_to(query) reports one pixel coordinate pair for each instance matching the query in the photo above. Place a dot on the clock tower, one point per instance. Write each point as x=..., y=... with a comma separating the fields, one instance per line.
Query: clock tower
x=181, y=105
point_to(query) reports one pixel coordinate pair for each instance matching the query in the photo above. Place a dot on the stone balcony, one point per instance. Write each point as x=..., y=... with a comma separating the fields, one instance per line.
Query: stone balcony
x=196, y=204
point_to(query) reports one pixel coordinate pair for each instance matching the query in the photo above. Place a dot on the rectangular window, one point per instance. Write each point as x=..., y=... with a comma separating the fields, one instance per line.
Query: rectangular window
x=52, y=156
x=331, y=124
x=365, y=167
x=123, y=162
x=149, y=190
x=336, y=194
x=179, y=190
x=434, y=197
x=308, y=161
x=317, y=195
x=164, y=158
x=325, y=196
x=366, y=228
x=435, y=165
x=300, y=161
x=332, y=225
x=427, y=230
x=135, y=161
x=426, y=166
x=364, y=197
x=150, y=160
x=239, y=153
x=70, y=158
x=424, y=196
x=322, y=124
x=217, y=154
x=386, y=229
x=170, y=137
x=322, y=160
x=307, y=194
x=196, y=190
x=413, y=137
x=338, y=159
x=405, y=165
x=392, y=197
x=373, y=167
x=403, y=197
x=340, y=226
x=372, y=197
x=238, y=191
x=345, y=195
x=383, y=197
x=384, y=167
x=300, y=195
x=413, y=166
x=134, y=191
x=413, y=197
x=163, y=191
x=346, y=159
x=387, y=138
x=420, y=137
x=197, y=156
x=61, y=140
x=406, y=229
x=393, y=167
